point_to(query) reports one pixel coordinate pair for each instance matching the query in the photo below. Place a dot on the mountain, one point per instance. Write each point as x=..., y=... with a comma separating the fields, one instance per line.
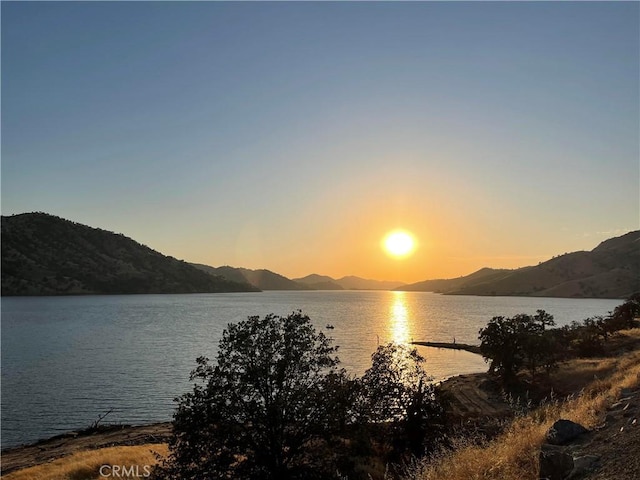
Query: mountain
x=323, y=282
x=262, y=279
x=46, y=255
x=611, y=270
x=451, y=284
x=319, y=282
x=356, y=283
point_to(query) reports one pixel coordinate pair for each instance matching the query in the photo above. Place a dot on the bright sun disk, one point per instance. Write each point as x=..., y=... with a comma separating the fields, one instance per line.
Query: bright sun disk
x=399, y=243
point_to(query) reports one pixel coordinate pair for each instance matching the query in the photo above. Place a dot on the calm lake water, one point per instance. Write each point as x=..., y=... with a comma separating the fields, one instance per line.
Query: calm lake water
x=67, y=360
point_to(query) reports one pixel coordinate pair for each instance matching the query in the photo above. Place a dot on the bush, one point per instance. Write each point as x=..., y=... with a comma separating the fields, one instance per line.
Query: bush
x=272, y=391
x=510, y=344
x=623, y=316
x=398, y=392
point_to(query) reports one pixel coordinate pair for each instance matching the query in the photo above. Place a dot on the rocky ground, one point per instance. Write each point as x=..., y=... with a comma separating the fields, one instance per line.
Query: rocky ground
x=615, y=445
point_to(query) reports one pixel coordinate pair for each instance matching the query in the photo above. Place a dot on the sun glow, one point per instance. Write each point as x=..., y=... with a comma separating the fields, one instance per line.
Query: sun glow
x=399, y=243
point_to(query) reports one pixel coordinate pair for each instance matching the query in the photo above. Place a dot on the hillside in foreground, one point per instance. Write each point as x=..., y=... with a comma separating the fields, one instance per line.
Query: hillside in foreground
x=47, y=255
x=611, y=270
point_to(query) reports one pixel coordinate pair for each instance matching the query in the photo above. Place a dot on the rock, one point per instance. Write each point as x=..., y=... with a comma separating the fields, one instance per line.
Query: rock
x=583, y=465
x=555, y=463
x=563, y=431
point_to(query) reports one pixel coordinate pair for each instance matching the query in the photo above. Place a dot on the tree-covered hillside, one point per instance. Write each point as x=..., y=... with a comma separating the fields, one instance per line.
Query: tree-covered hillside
x=47, y=255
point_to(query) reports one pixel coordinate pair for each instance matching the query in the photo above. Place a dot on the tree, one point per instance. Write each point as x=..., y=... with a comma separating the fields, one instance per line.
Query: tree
x=397, y=391
x=522, y=341
x=623, y=315
x=587, y=338
x=500, y=343
x=251, y=414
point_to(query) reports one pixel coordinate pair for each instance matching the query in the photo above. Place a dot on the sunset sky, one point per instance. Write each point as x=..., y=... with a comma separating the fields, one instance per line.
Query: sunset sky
x=295, y=136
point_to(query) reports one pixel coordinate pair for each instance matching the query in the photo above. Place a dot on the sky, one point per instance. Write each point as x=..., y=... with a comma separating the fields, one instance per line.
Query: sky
x=294, y=136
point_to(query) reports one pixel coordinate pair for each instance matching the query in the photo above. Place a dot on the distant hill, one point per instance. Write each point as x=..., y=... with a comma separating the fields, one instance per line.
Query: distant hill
x=356, y=283
x=319, y=282
x=448, y=285
x=323, y=282
x=611, y=270
x=47, y=255
x=262, y=279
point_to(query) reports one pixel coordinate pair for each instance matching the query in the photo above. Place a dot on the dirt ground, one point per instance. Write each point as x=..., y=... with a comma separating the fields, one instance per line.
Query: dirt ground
x=63, y=445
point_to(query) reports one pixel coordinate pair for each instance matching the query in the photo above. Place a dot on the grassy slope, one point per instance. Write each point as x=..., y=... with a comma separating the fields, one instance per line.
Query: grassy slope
x=514, y=453
x=87, y=464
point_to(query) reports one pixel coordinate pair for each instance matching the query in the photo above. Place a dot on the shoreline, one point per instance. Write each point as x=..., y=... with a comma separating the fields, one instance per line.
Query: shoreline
x=58, y=446
x=475, y=397
x=451, y=346
x=468, y=394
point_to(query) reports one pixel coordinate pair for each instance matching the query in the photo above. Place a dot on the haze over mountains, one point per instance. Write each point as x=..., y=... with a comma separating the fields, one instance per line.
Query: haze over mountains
x=47, y=255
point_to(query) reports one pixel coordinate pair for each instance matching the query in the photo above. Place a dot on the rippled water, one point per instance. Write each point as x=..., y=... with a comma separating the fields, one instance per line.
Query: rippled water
x=66, y=360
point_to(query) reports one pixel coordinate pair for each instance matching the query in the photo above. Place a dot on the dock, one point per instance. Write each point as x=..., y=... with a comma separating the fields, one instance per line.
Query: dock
x=451, y=346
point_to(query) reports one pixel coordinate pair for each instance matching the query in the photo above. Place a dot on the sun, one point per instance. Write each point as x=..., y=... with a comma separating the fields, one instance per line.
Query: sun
x=399, y=243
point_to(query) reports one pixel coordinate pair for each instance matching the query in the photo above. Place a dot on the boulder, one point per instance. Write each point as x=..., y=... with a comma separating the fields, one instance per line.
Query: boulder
x=563, y=431
x=583, y=466
x=555, y=463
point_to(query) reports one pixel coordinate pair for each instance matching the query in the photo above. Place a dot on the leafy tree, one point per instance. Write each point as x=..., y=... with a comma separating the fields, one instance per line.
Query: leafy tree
x=252, y=413
x=623, y=315
x=522, y=341
x=397, y=391
x=587, y=338
x=500, y=343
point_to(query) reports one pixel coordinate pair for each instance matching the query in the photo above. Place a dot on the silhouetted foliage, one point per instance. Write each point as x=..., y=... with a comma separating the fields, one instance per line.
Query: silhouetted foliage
x=275, y=405
x=274, y=388
x=623, y=315
x=587, y=339
x=518, y=342
x=397, y=391
x=524, y=341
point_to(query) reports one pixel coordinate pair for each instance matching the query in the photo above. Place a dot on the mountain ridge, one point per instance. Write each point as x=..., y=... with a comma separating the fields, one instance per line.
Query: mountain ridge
x=44, y=254
x=261, y=278
x=610, y=270
x=47, y=255
x=349, y=282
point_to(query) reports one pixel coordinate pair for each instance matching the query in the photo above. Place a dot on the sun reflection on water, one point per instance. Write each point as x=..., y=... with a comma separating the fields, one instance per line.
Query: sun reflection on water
x=399, y=319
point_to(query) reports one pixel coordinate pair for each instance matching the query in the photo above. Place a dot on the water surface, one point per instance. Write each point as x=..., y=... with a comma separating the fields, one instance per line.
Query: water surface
x=67, y=360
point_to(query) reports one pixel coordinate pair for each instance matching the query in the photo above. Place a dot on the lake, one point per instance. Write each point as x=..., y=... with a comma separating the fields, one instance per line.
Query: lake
x=67, y=360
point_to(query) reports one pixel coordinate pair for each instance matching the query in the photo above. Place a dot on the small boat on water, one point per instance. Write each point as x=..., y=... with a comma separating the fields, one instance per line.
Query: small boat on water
x=329, y=326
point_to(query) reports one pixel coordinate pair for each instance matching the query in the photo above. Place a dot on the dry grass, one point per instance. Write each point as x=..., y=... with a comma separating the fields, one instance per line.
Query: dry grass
x=86, y=465
x=514, y=454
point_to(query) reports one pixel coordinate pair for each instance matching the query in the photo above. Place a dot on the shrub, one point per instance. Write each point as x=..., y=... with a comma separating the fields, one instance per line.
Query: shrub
x=397, y=391
x=252, y=413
